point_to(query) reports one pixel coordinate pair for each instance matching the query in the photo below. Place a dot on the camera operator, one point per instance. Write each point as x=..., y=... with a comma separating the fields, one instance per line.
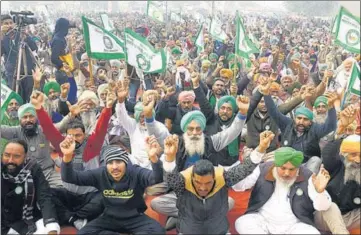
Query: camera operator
x=10, y=46
x=60, y=52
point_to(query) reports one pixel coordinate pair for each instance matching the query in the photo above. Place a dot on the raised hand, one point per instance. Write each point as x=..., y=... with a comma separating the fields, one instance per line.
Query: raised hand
x=67, y=147
x=111, y=98
x=170, y=91
x=150, y=93
x=37, y=99
x=122, y=91
x=195, y=79
x=153, y=148
x=77, y=108
x=37, y=75
x=148, y=106
x=348, y=115
x=243, y=104
x=265, y=85
x=265, y=140
x=66, y=69
x=171, y=147
x=64, y=90
x=331, y=97
x=321, y=180
x=307, y=92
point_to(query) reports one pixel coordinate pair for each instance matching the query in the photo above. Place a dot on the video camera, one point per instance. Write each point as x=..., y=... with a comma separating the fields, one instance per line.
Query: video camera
x=22, y=18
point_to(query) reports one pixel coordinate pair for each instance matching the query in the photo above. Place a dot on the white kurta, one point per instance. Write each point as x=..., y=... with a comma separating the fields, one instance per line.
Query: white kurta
x=276, y=216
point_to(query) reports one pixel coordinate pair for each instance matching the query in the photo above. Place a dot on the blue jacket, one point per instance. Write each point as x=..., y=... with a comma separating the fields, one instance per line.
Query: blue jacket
x=9, y=49
x=123, y=199
x=58, y=43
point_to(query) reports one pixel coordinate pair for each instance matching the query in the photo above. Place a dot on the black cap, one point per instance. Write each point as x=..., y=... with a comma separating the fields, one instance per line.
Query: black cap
x=61, y=77
x=5, y=17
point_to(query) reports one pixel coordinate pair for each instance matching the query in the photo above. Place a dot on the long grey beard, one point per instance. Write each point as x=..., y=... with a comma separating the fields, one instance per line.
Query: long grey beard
x=319, y=118
x=194, y=146
x=88, y=118
x=352, y=172
x=282, y=182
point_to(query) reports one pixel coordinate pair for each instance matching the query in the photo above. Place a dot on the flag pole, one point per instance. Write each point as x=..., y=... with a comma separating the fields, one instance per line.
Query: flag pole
x=91, y=71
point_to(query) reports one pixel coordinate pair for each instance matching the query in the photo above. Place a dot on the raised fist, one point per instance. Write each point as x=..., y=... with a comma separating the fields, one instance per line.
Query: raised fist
x=67, y=146
x=153, y=148
x=171, y=147
x=265, y=140
x=37, y=99
x=243, y=104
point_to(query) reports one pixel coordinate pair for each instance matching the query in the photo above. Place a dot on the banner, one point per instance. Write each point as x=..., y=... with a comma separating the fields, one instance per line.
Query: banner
x=155, y=10
x=176, y=17
x=100, y=43
x=216, y=30
x=243, y=45
x=141, y=54
x=199, y=42
x=107, y=23
x=347, y=32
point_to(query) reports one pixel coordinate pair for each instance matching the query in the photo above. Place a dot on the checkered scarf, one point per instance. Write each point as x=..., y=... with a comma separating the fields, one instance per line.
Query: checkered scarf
x=25, y=177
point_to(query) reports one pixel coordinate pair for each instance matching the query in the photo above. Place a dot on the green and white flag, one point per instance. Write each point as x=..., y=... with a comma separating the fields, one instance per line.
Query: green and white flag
x=347, y=32
x=354, y=82
x=244, y=46
x=199, y=42
x=155, y=10
x=100, y=43
x=176, y=17
x=142, y=55
x=107, y=23
x=6, y=95
x=216, y=30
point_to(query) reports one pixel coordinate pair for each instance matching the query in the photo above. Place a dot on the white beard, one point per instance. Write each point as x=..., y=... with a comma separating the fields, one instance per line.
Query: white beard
x=194, y=146
x=282, y=182
x=319, y=118
x=351, y=172
x=53, y=105
x=88, y=118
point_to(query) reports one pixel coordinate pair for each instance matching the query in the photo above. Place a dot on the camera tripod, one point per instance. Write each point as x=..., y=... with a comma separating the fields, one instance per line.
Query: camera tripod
x=22, y=47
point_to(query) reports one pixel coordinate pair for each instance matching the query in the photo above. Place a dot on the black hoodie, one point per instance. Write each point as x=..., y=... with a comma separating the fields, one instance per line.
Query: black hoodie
x=123, y=199
x=58, y=42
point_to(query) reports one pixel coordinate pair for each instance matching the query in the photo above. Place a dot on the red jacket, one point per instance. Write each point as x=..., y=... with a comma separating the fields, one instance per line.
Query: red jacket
x=95, y=140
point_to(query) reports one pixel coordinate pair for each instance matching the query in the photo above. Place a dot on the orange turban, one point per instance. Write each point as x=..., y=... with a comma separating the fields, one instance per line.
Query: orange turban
x=227, y=73
x=351, y=144
x=275, y=86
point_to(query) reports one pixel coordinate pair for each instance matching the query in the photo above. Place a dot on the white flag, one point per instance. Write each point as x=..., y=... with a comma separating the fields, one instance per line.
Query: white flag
x=107, y=23
x=243, y=44
x=347, y=32
x=100, y=43
x=142, y=55
x=200, y=40
x=154, y=10
x=216, y=30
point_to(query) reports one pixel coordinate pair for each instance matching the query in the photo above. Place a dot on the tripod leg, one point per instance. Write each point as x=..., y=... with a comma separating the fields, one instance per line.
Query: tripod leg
x=18, y=70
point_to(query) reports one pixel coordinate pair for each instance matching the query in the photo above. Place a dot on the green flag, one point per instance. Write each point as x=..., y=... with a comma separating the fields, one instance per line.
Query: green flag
x=354, y=82
x=155, y=10
x=142, y=55
x=6, y=95
x=243, y=45
x=100, y=43
x=199, y=42
x=347, y=32
x=334, y=25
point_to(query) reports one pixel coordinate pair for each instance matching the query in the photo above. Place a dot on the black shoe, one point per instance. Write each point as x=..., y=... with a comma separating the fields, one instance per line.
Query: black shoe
x=171, y=223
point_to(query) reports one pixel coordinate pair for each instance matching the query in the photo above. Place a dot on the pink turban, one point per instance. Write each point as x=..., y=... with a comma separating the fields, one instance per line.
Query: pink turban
x=186, y=95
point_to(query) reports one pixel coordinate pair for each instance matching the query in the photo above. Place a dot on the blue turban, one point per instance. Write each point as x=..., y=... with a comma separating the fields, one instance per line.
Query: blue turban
x=197, y=116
